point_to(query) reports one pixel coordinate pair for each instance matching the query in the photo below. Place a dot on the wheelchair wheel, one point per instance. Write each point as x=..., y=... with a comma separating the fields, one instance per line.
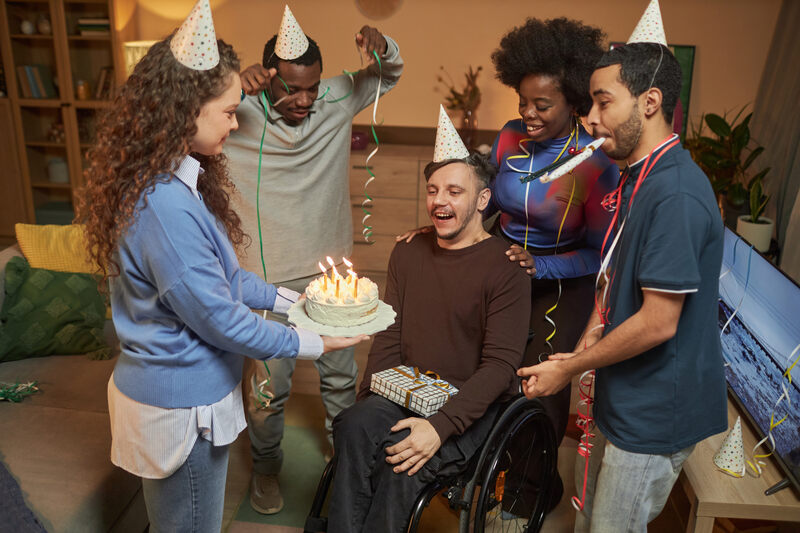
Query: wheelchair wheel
x=522, y=441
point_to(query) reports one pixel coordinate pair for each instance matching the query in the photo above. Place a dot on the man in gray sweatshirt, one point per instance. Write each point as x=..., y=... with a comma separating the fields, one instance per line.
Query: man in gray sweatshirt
x=304, y=210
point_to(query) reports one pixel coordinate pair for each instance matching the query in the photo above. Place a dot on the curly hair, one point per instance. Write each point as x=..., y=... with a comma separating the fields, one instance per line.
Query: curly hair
x=140, y=138
x=565, y=49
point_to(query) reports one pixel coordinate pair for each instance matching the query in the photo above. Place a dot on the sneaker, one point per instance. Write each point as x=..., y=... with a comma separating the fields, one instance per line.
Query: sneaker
x=265, y=493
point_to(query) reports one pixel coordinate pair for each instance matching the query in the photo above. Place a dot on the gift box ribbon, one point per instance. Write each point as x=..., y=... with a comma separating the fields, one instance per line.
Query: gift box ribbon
x=423, y=379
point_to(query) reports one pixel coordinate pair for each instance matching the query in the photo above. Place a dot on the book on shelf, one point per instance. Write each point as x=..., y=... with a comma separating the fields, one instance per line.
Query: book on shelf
x=24, y=84
x=104, y=87
x=36, y=81
x=94, y=26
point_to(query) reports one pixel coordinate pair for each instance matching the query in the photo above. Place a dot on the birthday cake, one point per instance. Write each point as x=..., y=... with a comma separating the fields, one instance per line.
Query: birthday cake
x=345, y=302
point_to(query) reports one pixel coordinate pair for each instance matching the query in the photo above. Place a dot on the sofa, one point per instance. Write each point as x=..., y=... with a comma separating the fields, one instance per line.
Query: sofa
x=56, y=442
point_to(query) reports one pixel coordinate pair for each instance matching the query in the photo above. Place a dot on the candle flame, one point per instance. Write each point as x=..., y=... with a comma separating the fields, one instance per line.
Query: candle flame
x=329, y=260
x=352, y=273
x=324, y=270
x=335, y=272
x=348, y=263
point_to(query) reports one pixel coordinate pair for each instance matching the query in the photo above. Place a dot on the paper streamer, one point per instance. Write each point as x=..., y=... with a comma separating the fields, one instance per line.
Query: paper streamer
x=15, y=392
x=366, y=231
x=585, y=422
x=756, y=464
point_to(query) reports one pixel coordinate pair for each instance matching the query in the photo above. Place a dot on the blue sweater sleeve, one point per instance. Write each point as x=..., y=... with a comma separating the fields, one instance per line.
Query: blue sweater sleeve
x=256, y=293
x=202, y=299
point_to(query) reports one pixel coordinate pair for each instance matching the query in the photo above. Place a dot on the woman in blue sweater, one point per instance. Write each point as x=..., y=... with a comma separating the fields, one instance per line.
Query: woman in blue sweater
x=159, y=224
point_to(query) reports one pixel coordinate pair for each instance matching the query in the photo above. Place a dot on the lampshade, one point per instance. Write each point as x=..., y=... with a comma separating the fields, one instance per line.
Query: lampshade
x=134, y=51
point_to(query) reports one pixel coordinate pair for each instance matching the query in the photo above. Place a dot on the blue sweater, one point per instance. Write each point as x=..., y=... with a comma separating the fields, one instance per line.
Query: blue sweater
x=181, y=305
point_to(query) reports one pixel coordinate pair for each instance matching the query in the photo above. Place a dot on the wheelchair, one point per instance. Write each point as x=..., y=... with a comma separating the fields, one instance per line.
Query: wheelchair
x=482, y=493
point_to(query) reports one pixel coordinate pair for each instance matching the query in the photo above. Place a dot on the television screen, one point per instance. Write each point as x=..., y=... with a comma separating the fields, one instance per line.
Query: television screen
x=757, y=345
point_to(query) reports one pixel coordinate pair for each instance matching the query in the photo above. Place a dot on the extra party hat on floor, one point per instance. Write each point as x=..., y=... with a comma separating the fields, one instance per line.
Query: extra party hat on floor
x=650, y=28
x=730, y=457
x=194, y=45
x=292, y=42
x=448, y=143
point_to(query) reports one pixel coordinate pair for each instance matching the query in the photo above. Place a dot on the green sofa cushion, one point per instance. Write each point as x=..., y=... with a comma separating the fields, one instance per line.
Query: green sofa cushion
x=46, y=312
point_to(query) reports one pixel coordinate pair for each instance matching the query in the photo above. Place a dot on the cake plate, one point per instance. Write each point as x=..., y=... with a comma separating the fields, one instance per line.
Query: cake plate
x=384, y=317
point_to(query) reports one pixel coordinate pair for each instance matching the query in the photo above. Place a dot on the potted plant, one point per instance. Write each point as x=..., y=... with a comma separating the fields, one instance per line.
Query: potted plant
x=465, y=100
x=756, y=229
x=727, y=157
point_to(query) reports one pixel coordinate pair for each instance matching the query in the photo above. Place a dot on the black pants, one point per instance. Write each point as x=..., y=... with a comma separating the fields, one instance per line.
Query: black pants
x=367, y=495
x=570, y=317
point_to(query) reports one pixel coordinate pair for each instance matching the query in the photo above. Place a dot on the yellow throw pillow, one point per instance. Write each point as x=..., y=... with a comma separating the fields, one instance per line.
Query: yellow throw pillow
x=59, y=248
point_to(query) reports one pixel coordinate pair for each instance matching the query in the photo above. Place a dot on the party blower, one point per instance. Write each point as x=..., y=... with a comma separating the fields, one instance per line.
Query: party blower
x=565, y=166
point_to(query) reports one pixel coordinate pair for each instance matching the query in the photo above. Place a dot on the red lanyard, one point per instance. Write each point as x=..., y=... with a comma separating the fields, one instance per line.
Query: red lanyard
x=643, y=173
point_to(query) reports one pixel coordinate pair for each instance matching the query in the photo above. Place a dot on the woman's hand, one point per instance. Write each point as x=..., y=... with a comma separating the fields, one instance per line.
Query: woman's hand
x=331, y=344
x=410, y=234
x=523, y=256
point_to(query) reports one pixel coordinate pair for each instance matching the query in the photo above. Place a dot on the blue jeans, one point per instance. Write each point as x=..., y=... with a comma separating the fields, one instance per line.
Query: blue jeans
x=624, y=490
x=192, y=498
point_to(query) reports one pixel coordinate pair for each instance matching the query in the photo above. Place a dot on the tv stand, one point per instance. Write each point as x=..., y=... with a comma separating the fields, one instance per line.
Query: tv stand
x=715, y=494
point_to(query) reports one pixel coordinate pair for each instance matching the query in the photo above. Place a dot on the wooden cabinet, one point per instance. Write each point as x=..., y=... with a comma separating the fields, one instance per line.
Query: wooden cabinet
x=398, y=194
x=59, y=62
x=12, y=199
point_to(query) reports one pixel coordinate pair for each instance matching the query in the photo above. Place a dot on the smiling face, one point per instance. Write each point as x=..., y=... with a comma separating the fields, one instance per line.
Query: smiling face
x=615, y=113
x=455, y=200
x=303, y=84
x=543, y=108
x=217, y=119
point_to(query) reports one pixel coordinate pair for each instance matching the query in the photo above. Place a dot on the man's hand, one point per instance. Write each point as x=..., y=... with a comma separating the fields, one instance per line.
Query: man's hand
x=415, y=450
x=523, y=256
x=331, y=344
x=255, y=78
x=410, y=234
x=546, y=378
x=369, y=39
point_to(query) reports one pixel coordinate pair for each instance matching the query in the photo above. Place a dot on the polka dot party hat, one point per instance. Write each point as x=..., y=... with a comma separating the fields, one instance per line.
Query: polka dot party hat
x=448, y=143
x=195, y=43
x=730, y=457
x=650, y=28
x=292, y=42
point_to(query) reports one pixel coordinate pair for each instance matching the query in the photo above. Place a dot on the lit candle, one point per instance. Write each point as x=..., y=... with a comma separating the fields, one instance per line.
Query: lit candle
x=330, y=262
x=355, y=283
x=324, y=277
x=349, y=266
x=337, y=287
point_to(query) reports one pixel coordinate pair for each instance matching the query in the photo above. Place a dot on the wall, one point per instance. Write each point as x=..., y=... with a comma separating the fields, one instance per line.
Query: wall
x=732, y=39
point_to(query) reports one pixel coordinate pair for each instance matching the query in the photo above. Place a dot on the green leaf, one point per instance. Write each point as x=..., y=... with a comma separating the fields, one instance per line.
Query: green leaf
x=713, y=143
x=752, y=157
x=758, y=178
x=718, y=125
x=740, y=137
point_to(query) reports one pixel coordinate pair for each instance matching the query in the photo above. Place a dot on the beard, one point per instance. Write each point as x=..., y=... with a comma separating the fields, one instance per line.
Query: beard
x=453, y=234
x=627, y=135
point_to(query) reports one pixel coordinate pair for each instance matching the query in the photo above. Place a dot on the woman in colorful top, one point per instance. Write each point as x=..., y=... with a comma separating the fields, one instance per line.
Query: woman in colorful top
x=159, y=223
x=556, y=229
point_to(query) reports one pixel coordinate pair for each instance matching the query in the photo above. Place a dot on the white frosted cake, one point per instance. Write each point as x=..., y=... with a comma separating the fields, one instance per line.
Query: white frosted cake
x=351, y=305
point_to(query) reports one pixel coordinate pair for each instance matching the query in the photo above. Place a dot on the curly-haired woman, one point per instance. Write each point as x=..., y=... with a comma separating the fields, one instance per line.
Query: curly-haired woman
x=159, y=224
x=555, y=230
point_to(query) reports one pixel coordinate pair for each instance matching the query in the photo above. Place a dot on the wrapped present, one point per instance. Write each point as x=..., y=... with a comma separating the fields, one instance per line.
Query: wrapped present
x=421, y=392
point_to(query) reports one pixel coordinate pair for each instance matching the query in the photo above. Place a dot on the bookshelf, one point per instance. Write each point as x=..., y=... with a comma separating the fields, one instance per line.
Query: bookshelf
x=60, y=61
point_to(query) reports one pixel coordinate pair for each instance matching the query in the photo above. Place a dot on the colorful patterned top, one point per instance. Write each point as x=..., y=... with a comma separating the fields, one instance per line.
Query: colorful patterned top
x=586, y=221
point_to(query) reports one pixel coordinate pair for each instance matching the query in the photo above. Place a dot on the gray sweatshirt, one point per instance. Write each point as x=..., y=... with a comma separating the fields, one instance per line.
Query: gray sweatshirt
x=305, y=194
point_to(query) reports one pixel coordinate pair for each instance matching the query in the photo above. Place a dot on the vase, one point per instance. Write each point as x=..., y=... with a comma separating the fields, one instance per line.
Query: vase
x=469, y=128
x=759, y=234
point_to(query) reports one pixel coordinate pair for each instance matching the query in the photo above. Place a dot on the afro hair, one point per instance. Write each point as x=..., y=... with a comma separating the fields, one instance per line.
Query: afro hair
x=565, y=49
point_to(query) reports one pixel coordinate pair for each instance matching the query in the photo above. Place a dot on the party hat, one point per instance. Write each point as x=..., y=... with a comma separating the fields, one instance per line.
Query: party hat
x=730, y=457
x=650, y=28
x=292, y=42
x=448, y=143
x=194, y=45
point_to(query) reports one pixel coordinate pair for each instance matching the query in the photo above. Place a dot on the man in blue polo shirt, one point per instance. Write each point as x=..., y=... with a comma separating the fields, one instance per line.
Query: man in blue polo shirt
x=654, y=341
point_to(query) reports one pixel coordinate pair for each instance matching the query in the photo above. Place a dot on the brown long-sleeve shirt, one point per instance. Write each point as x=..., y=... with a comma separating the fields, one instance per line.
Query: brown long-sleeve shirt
x=463, y=314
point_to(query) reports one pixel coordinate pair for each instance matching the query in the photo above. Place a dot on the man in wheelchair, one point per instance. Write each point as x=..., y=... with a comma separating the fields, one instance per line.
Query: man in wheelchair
x=462, y=311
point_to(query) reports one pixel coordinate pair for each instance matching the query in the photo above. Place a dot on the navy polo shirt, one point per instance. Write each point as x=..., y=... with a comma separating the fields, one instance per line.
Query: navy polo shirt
x=672, y=395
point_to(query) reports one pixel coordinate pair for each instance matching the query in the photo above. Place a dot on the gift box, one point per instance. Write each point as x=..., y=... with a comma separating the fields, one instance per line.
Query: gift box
x=421, y=392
